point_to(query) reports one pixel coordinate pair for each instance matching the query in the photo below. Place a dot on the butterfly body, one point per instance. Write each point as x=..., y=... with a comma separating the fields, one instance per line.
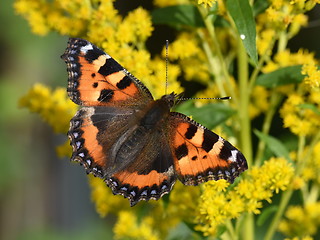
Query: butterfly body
x=135, y=143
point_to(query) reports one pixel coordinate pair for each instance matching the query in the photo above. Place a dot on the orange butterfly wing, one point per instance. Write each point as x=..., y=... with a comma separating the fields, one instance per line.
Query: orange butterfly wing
x=201, y=155
x=96, y=79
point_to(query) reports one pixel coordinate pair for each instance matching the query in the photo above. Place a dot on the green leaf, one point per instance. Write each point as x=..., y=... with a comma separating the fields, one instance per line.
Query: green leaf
x=210, y=115
x=282, y=76
x=263, y=217
x=241, y=13
x=260, y=6
x=178, y=16
x=276, y=146
x=311, y=107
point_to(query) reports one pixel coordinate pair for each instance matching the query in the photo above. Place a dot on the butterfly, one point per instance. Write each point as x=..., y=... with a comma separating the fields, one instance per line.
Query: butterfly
x=136, y=144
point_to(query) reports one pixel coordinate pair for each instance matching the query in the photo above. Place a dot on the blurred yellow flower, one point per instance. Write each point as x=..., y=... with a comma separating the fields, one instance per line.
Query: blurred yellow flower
x=301, y=220
x=50, y=105
x=206, y=3
x=128, y=227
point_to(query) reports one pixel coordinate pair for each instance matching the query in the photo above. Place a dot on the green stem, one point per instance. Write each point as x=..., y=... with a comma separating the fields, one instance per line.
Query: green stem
x=275, y=99
x=248, y=230
x=313, y=194
x=212, y=62
x=231, y=231
x=245, y=125
x=285, y=198
x=283, y=41
x=245, y=133
x=208, y=21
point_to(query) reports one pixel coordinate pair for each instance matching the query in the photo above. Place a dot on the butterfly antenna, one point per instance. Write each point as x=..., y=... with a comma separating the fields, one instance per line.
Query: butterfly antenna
x=217, y=98
x=167, y=47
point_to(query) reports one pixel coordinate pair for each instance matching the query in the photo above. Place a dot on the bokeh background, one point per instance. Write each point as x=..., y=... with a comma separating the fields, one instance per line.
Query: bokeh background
x=43, y=196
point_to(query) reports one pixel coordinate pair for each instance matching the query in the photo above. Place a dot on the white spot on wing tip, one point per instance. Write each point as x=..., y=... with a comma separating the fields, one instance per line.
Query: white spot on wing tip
x=233, y=157
x=86, y=48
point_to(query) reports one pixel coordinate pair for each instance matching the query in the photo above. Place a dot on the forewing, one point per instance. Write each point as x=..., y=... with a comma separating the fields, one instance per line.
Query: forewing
x=96, y=79
x=201, y=155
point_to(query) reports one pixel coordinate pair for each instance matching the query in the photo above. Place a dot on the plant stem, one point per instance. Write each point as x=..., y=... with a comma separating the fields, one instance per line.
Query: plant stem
x=245, y=125
x=275, y=99
x=243, y=112
x=213, y=66
x=208, y=21
x=285, y=198
x=248, y=230
x=231, y=231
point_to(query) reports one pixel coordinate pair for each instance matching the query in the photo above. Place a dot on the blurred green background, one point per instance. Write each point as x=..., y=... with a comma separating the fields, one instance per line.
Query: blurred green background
x=35, y=185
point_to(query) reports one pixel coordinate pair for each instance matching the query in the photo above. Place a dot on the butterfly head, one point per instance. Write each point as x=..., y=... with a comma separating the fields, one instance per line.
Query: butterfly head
x=171, y=99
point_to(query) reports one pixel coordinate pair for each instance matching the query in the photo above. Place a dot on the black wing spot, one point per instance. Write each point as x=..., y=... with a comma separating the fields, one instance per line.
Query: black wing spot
x=191, y=131
x=93, y=75
x=94, y=54
x=105, y=95
x=194, y=158
x=95, y=85
x=110, y=66
x=124, y=83
x=225, y=152
x=181, y=151
x=209, y=139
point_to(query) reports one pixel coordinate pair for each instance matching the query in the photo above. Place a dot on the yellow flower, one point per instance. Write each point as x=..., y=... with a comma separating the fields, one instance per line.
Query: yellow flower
x=217, y=205
x=206, y=3
x=166, y=3
x=50, y=105
x=265, y=41
x=183, y=47
x=128, y=227
x=141, y=24
x=156, y=82
x=104, y=199
x=259, y=101
x=301, y=220
x=313, y=75
x=64, y=150
x=301, y=122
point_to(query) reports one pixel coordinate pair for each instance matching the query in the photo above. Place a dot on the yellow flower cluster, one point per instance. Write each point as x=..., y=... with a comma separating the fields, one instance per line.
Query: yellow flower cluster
x=311, y=168
x=301, y=120
x=301, y=220
x=104, y=199
x=185, y=49
x=127, y=227
x=50, y=105
x=100, y=23
x=218, y=204
x=302, y=238
x=165, y=216
x=286, y=13
x=281, y=16
x=313, y=75
x=286, y=58
x=206, y=3
x=259, y=101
